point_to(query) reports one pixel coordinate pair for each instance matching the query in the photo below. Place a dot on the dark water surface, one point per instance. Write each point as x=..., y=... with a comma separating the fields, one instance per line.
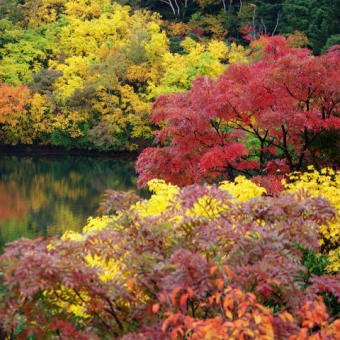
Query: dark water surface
x=47, y=195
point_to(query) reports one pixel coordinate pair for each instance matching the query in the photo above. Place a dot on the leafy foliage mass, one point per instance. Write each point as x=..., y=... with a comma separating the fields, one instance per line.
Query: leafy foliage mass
x=263, y=118
x=244, y=259
x=91, y=69
x=85, y=72
x=201, y=262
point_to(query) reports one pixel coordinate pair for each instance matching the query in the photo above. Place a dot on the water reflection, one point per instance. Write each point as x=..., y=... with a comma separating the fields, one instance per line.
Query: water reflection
x=49, y=195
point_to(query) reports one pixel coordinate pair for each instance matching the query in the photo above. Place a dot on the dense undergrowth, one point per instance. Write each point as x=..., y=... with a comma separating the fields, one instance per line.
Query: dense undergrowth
x=201, y=262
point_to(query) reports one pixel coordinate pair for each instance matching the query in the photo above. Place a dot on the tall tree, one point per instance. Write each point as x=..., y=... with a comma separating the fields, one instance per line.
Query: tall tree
x=255, y=119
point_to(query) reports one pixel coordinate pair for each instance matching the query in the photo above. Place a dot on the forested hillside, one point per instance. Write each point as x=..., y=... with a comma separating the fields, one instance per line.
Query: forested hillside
x=84, y=74
x=234, y=106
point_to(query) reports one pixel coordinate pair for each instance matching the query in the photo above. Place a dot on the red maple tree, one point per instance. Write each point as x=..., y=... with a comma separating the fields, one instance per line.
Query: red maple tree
x=256, y=119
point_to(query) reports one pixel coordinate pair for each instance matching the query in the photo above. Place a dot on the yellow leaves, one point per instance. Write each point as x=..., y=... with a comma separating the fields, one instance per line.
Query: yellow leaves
x=74, y=73
x=325, y=183
x=138, y=73
x=297, y=39
x=24, y=118
x=85, y=38
x=237, y=54
x=207, y=207
x=115, y=29
x=135, y=113
x=114, y=54
x=178, y=28
x=42, y=12
x=110, y=269
x=67, y=121
x=199, y=60
x=286, y=317
x=159, y=201
x=212, y=24
x=68, y=299
x=218, y=49
x=242, y=189
x=40, y=111
x=85, y=9
x=157, y=46
x=72, y=235
x=98, y=223
x=189, y=45
x=334, y=259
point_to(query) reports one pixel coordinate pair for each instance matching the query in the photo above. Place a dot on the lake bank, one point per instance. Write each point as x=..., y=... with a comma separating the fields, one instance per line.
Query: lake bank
x=25, y=149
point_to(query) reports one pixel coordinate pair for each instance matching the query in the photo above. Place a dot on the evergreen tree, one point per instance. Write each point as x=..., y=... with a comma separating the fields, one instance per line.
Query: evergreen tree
x=319, y=19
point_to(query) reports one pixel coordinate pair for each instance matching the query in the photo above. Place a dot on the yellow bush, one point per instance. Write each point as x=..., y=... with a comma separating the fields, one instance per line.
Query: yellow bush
x=325, y=183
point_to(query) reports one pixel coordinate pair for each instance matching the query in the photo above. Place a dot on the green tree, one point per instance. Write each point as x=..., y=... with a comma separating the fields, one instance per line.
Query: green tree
x=331, y=41
x=319, y=19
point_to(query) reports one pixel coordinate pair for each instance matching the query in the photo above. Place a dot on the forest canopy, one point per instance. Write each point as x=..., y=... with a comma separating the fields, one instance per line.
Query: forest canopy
x=85, y=73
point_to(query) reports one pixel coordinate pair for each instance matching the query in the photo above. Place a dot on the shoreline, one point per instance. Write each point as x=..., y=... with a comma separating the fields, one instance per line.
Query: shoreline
x=47, y=150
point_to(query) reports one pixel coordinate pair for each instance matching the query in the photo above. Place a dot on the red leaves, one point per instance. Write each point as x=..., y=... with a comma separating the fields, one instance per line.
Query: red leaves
x=326, y=283
x=219, y=157
x=67, y=330
x=250, y=116
x=249, y=32
x=194, y=278
x=272, y=183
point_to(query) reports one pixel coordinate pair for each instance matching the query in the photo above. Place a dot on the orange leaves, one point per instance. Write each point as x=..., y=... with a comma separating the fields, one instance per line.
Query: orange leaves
x=12, y=101
x=212, y=270
x=313, y=314
x=219, y=283
x=174, y=293
x=12, y=203
x=130, y=282
x=228, y=272
x=315, y=322
x=181, y=300
x=241, y=318
x=172, y=319
x=155, y=308
x=286, y=317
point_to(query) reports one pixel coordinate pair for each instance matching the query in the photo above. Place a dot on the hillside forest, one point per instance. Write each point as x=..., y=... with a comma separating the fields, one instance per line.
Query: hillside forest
x=84, y=74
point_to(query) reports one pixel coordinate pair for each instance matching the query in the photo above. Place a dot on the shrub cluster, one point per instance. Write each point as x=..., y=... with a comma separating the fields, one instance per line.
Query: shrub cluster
x=201, y=262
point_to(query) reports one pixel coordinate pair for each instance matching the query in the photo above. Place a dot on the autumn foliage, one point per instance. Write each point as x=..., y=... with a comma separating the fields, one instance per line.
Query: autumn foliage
x=12, y=104
x=93, y=69
x=201, y=262
x=257, y=119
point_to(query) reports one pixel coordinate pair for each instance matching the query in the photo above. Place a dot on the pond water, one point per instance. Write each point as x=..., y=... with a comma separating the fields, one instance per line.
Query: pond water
x=47, y=195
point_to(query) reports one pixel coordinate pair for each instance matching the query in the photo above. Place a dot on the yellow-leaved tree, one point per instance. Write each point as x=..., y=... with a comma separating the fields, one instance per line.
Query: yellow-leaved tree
x=198, y=60
x=109, y=56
